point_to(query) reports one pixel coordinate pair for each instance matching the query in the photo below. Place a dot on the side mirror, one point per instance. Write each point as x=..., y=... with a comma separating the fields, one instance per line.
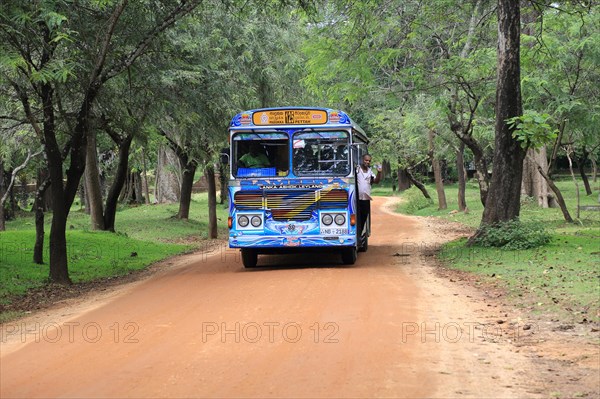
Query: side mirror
x=224, y=156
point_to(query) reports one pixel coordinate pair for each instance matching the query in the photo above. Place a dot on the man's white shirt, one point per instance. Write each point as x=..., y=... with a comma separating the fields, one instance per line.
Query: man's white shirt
x=364, y=183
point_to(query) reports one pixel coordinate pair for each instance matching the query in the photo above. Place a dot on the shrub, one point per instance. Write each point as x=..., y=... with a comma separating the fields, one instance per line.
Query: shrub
x=513, y=235
x=414, y=200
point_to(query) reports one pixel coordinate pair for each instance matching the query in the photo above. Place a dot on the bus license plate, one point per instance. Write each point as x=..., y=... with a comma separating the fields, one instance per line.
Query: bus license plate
x=333, y=231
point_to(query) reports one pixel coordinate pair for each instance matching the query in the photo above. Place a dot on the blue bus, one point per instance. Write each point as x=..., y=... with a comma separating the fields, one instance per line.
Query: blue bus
x=292, y=183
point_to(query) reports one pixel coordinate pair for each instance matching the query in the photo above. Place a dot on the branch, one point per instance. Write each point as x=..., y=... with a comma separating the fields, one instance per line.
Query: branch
x=16, y=171
x=22, y=94
x=114, y=18
x=472, y=25
x=183, y=9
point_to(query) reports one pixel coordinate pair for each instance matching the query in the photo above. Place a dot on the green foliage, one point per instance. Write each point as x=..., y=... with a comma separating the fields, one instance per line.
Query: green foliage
x=561, y=74
x=413, y=201
x=532, y=129
x=513, y=235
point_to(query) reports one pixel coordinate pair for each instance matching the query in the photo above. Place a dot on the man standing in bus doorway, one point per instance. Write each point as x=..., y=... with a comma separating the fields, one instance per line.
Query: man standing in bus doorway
x=365, y=180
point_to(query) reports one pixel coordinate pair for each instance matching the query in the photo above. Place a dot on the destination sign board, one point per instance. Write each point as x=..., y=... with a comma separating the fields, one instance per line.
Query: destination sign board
x=290, y=117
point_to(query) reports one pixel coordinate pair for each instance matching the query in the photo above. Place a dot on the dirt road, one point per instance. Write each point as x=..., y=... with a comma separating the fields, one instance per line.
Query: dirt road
x=306, y=326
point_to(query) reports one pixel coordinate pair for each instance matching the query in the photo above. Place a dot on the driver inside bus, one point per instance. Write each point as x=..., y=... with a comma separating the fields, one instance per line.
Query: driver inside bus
x=255, y=158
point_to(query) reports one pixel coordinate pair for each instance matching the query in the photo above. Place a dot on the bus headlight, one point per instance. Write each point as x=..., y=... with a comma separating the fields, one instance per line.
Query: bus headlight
x=256, y=221
x=243, y=221
x=340, y=219
x=327, y=219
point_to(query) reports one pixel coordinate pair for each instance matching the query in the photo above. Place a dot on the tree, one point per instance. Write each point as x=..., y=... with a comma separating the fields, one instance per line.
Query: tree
x=201, y=91
x=35, y=39
x=388, y=55
x=559, y=58
x=503, y=201
x=123, y=142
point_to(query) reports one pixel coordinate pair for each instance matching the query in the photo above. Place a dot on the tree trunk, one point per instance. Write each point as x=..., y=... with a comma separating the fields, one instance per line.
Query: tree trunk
x=188, y=167
x=137, y=185
x=24, y=197
x=503, y=200
x=558, y=194
x=59, y=272
x=478, y=159
x=9, y=202
x=462, y=177
x=46, y=203
x=529, y=171
x=167, y=182
x=417, y=183
x=403, y=180
x=187, y=182
x=58, y=243
x=92, y=183
x=38, y=248
x=581, y=161
x=568, y=151
x=145, y=178
x=209, y=173
x=223, y=181
x=2, y=188
x=117, y=186
x=557, y=144
x=85, y=203
x=437, y=173
x=533, y=184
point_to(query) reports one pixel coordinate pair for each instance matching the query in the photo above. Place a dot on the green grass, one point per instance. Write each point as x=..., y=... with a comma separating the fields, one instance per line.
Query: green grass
x=146, y=222
x=384, y=188
x=561, y=277
x=529, y=209
x=145, y=234
x=91, y=255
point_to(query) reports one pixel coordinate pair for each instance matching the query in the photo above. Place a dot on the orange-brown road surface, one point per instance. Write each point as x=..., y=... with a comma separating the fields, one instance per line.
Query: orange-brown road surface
x=307, y=326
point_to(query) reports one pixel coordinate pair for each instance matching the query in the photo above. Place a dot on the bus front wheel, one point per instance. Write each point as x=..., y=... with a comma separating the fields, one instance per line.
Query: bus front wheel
x=249, y=257
x=364, y=243
x=349, y=255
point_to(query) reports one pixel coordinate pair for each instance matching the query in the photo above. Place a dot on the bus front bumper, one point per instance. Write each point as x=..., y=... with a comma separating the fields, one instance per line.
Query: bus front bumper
x=288, y=241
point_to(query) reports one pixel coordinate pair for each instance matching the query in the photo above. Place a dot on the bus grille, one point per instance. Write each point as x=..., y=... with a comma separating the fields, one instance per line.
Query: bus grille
x=334, y=199
x=248, y=200
x=291, y=205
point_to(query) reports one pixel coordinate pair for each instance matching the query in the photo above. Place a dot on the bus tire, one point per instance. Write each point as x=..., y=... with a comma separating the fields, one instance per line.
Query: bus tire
x=349, y=255
x=364, y=243
x=249, y=257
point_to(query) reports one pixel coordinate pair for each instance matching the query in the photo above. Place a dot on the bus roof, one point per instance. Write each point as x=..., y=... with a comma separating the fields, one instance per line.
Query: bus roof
x=293, y=117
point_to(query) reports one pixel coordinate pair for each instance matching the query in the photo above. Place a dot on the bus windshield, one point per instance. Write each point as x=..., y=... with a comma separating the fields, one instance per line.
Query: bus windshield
x=321, y=153
x=260, y=154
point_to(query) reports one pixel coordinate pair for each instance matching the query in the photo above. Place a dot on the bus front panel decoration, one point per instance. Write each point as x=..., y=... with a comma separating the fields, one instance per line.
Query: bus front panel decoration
x=292, y=183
